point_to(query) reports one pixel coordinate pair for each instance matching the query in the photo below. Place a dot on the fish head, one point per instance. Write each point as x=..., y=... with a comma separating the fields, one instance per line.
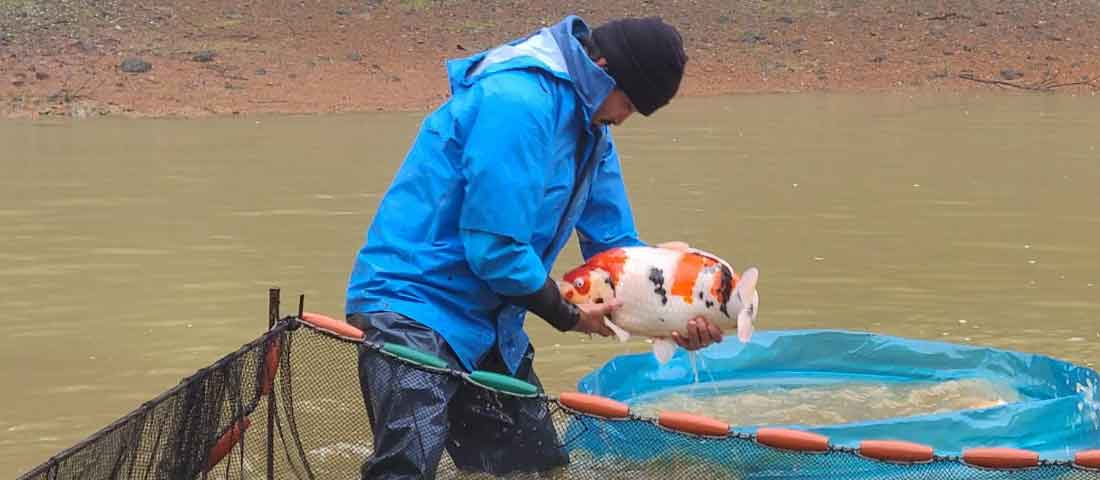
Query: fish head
x=587, y=284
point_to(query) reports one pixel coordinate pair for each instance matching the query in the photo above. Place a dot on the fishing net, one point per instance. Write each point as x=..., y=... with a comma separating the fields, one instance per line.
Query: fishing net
x=288, y=406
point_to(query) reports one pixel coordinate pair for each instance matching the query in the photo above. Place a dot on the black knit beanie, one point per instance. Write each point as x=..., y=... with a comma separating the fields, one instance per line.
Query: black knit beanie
x=646, y=58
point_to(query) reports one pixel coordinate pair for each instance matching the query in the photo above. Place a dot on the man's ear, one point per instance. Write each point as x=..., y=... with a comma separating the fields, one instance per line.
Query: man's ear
x=602, y=62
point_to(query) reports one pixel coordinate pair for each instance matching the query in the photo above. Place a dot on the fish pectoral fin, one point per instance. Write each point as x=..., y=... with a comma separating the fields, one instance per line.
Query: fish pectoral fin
x=623, y=335
x=663, y=349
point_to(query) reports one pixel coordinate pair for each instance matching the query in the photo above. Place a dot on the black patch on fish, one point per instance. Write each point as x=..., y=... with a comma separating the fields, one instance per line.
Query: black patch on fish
x=660, y=319
x=725, y=290
x=599, y=300
x=610, y=284
x=700, y=295
x=658, y=278
x=711, y=304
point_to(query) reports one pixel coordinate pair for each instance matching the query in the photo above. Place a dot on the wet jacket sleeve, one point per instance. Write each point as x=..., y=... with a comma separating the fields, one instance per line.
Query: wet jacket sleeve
x=607, y=221
x=508, y=128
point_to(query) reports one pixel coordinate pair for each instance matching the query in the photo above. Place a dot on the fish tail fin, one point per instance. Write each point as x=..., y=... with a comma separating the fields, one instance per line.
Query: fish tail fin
x=749, y=301
x=663, y=349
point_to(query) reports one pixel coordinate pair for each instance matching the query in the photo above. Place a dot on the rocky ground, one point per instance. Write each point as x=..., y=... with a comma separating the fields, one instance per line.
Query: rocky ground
x=201, y=57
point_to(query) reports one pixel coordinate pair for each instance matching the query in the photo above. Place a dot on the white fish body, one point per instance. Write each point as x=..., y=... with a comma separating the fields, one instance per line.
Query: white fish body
x=662, y=289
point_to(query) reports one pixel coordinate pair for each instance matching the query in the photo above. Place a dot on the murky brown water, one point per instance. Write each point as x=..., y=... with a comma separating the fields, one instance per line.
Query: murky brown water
x=134, y=252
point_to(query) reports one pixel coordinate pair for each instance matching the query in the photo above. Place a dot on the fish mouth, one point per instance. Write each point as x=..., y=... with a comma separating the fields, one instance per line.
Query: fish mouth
x=566, y=290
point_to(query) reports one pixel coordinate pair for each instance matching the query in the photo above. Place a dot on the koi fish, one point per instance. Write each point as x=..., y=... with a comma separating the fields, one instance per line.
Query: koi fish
x=662, y=289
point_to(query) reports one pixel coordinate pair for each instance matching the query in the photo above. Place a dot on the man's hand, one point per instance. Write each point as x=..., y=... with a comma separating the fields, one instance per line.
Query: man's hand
x=592, y=317
x=701, y=333
x=674, y=245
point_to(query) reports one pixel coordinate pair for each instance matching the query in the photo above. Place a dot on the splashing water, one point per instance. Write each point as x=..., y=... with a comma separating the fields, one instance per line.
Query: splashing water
x=832, y=403
x=1089, y=406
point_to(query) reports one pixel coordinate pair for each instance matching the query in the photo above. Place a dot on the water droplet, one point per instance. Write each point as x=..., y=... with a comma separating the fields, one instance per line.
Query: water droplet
x=1075, y=339
x=916, y=185
x=818, y=259
x=966, y=339
x=1033, y=262
x=1027, y=245
x=91, y=357
x=963, y=322
x=795, y=185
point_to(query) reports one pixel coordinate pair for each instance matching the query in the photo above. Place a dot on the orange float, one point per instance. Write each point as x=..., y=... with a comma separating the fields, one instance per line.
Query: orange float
x=594, y=405
x=331, y=325
x=1088, y=459
x=797, y=440
x=895, y=451
x=226, y=442
x=693, y=424
x=1001, y=457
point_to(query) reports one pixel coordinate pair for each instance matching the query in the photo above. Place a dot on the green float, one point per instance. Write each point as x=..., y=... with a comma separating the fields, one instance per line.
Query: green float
x=503, y=383
x=414, y=356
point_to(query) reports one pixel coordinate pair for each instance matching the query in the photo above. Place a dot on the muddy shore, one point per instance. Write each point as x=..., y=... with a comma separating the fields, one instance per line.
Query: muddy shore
x=157, y=58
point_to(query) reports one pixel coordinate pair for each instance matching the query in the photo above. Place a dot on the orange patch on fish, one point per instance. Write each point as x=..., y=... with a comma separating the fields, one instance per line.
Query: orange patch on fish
x=610, y=261
x=687, y=272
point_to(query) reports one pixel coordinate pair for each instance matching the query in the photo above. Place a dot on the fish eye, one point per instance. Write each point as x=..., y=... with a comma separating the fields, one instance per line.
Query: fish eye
x=579, y=282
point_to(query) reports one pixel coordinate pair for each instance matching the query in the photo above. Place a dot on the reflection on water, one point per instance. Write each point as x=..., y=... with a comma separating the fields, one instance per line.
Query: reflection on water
x=133, y=252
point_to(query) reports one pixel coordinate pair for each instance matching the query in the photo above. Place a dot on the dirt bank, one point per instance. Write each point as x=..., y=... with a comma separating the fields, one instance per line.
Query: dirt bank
x=194, y=58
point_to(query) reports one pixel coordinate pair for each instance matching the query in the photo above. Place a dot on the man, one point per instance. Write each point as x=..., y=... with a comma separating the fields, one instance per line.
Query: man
x=463, y=242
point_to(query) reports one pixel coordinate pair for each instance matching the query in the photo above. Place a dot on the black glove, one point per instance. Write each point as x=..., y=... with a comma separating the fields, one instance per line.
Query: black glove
x=547, y=303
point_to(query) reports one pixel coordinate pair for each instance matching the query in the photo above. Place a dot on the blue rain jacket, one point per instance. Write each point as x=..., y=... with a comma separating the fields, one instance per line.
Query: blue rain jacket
x=495, y=183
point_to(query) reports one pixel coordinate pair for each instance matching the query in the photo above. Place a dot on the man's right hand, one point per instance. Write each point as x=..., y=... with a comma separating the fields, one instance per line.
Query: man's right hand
x=593, y=315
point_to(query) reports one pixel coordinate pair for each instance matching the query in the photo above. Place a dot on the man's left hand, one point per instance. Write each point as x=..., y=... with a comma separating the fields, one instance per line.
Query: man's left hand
x=701, y=333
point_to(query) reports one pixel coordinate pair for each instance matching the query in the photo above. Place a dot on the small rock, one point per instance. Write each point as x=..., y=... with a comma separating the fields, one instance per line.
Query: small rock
x=83, y=46
x=787, y=20
x=261, y=71
x=343, y=12
x=205, y=56
x=41, y=75
x=355, y=56
x=17, y=82
x=1011, y=74
x=135, y=65
x=753, y=37
x=878, y=59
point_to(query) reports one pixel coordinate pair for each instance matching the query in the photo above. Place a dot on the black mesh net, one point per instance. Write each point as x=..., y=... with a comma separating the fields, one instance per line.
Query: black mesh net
x=288, y=406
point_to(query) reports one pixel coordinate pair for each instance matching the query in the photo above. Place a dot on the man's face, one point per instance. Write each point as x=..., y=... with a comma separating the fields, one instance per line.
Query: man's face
x=614, y=110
